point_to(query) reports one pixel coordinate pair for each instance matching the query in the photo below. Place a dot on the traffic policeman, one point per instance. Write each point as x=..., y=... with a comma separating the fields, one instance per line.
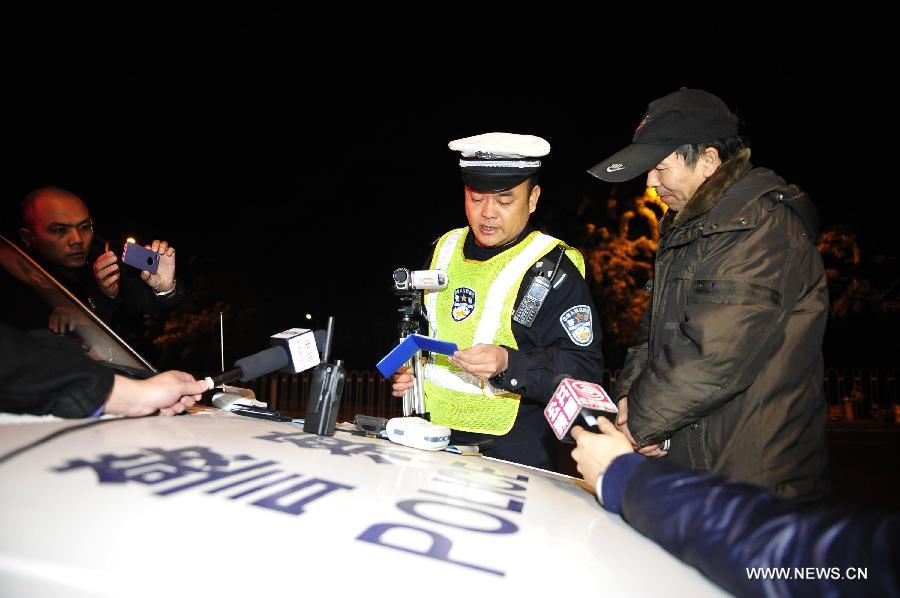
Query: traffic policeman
x=517, y=305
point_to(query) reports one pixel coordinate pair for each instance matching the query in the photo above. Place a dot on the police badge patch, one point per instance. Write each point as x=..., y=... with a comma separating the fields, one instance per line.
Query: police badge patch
x=463, y=304
x=577, y=323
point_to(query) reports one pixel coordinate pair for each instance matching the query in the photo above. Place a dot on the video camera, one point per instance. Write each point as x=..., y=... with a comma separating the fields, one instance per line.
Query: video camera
x=419, y=280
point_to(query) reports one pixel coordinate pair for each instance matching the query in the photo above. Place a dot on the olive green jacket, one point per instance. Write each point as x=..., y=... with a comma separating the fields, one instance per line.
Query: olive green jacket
x=729, y=361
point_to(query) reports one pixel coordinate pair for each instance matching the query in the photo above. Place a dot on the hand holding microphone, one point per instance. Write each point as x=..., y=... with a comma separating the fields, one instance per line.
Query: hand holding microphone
x=574, y=398
x=594, y=452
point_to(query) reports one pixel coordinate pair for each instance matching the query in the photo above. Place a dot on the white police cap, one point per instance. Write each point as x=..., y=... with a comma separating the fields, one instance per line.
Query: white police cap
x=494, y=162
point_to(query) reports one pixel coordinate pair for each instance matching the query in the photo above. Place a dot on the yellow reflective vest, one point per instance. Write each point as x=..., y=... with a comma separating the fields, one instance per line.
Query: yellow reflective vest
x=477, y=307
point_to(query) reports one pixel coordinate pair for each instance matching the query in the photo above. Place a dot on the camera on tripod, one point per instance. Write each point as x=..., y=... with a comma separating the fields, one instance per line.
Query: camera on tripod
x=408, y=285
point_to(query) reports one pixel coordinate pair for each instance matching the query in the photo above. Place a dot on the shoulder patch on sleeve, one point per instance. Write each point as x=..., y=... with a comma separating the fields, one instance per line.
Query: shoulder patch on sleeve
x=578, y=324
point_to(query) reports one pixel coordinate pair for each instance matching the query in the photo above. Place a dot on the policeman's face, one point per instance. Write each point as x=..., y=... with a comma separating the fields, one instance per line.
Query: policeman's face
x=60, y=230
x=496, y=219
x=676, y=183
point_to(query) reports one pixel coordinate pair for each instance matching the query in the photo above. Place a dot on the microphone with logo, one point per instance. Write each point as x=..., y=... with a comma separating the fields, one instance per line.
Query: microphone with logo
x=294, y=350
x=573, y=398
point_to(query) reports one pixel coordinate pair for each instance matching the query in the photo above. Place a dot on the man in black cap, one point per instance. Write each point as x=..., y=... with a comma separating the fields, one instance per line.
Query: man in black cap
x=729, y=365
x=517, y=306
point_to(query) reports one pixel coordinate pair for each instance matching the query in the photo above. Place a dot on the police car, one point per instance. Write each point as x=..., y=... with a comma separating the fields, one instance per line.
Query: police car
x=215, y=504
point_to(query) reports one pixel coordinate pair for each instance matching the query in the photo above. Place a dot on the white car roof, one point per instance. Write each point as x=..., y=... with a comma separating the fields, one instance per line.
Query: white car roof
x=215, y=504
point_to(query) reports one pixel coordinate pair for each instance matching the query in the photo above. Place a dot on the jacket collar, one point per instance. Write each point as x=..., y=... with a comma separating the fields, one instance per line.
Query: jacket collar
x=471, y=250
x=712, y=189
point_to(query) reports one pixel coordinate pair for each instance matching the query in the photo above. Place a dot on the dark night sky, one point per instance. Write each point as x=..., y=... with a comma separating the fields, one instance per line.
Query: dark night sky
x=313, y=153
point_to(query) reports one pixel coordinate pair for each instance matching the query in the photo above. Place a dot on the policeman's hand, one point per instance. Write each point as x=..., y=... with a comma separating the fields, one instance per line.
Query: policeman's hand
x=106, y=272
x=164, y=279
x=169, y=393
x=594, y=452
x=484, y=361
x=401, y=381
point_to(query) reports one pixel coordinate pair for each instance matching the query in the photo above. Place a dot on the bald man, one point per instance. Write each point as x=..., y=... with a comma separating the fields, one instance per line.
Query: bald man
x=58, y=231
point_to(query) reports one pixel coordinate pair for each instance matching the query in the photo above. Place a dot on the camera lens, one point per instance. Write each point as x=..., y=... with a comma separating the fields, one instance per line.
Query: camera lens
x=149, y=261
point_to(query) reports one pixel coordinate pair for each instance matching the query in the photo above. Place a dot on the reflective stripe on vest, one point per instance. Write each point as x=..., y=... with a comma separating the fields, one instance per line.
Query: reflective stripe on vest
x=454, y=397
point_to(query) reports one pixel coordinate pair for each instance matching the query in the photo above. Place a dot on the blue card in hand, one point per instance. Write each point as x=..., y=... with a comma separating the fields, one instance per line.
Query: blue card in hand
x=405, y=350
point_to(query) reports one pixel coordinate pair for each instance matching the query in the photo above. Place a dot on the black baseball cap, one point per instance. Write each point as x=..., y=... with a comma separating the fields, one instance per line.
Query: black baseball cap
x=685, y=116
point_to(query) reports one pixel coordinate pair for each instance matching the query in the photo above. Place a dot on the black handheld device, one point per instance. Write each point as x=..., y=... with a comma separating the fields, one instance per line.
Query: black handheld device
x=325, y=391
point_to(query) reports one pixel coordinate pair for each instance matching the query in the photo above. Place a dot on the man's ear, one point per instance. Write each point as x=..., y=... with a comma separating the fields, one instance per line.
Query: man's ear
x=26, y=237
x=710, y=161
x=533, y=199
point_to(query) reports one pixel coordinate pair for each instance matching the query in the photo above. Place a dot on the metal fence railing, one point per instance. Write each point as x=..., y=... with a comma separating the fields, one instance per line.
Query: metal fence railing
x=862, y=394
x=365, y=392
x=853, y=394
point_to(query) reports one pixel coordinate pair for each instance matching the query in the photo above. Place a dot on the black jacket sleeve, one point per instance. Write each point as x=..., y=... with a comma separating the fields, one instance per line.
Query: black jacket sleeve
x=40, y=379
x=138, y=298
x=549, y=348
x=730, y=530
x=105, y=307
x=135, y=296
x=636, y=358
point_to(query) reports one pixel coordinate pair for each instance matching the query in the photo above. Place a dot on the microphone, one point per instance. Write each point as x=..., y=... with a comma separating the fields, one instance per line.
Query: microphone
x=301, y=344
x=294, y=349
x=573, y=398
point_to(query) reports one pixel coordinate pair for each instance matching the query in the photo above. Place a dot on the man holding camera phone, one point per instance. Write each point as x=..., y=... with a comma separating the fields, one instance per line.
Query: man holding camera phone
x=58, y=231
x=517, y=305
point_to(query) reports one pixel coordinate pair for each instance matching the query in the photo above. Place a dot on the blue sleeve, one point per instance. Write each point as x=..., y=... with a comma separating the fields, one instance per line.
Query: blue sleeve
x=723, y=528
x=614, y=479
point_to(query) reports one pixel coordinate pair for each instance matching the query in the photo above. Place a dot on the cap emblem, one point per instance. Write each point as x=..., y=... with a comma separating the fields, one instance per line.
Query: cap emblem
x=643, y=122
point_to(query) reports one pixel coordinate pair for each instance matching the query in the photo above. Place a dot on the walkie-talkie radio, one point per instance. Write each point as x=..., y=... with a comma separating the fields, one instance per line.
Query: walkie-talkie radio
x=325, y=391
x=537, y=292
x=531, y=303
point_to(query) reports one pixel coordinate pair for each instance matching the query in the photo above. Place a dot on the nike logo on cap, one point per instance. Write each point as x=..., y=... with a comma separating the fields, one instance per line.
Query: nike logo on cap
x=615, y=167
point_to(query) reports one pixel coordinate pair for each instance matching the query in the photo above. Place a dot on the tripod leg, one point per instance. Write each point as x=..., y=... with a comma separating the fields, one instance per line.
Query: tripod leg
x=409, y=396
x=419, y=383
